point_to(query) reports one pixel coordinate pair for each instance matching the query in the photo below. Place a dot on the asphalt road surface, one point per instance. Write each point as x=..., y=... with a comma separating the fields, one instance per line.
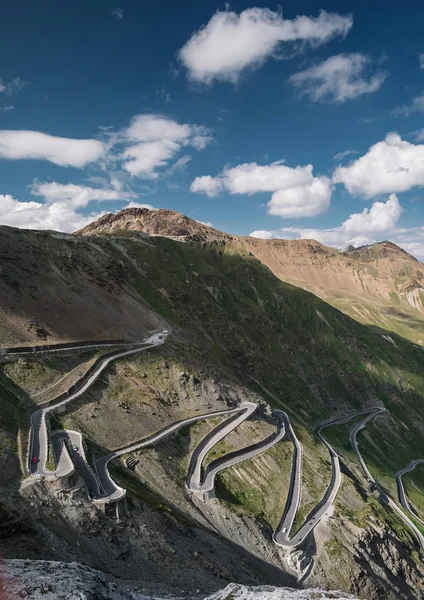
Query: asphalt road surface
x=114, y=492
x=68, y=454
x=194, y=481
x=372, y=480
x=39, y=435
x=194, y=476
x=401, y=490
x=282, y=534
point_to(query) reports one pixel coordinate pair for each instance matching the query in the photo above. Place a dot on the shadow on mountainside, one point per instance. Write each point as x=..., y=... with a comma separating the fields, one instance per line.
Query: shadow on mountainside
x=232, y=311
x=41, y=525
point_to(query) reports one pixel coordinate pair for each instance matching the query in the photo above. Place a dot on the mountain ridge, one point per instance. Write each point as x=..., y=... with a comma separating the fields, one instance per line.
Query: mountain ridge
x=232, y=322
x=378, y=284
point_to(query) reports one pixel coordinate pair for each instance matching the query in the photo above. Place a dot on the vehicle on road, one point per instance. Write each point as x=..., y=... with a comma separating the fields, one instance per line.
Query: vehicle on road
x=75, y=448
x=34, y=460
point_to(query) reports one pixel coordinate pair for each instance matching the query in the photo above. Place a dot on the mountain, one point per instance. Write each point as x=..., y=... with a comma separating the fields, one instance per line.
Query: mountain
x=163, y=222
x=237, y=333
x=379, y=284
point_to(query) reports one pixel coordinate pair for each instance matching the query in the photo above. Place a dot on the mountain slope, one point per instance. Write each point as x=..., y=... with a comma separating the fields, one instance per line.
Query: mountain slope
x=230, y=319
x=381, y=284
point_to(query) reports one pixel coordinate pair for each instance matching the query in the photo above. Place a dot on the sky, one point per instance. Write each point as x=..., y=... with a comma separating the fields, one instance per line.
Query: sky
x=304, y=120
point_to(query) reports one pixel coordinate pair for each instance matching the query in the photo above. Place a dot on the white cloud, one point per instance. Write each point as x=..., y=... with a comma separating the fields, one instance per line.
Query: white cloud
x=250, y=178
x=231, y=42
x=262, y=234
x=138, y=205
x=382, y=216
x=153, y=128
x=337, y=79
x=342, y=155
x=296, y=192
x=155, y=140
x=66, y=152
x=416, y=105
x=75, y=196
x=421, y=60
x=117, y=12
x=142, y=160
x=180, y=164
x=36, y=215
x=151, y=141
x=13, y=87
x=201, y=138
x=303, y=200
x=411, y=240
x=358, y=229
x=61, y=206
x=211, y=186
x=393, y=165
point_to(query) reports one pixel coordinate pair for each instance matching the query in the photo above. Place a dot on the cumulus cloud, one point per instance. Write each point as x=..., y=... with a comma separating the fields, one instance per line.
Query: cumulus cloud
x=37, y=215
x=66, y=152
x=303, y=200
x=142, y=160
x=230, y=42
x=296, y=191
x=393, y=165
x=337, y=79
x=421, y=60
x=151, y=128
x=206, y=184
x=61, y=206
x=358, y=229
x=154, y=140
x=382, y=216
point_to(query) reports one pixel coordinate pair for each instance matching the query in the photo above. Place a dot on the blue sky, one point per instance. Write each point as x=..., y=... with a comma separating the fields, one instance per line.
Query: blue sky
x=301, y=123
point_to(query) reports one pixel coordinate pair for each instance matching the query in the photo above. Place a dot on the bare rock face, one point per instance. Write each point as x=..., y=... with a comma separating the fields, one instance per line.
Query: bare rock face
x=163, y=222
x=50, y=580
x=235, y=591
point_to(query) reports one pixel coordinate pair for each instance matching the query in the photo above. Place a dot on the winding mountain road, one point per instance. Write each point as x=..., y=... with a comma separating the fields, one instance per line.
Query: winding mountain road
x=401, y=490
x=372, y=480
x=194, y=478
x=68, y=454
x=282, y=534
x=39, y=435
x=68, y=450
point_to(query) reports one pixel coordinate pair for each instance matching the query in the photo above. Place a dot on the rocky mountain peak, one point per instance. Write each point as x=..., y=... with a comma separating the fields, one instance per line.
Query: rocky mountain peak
x=162, y=222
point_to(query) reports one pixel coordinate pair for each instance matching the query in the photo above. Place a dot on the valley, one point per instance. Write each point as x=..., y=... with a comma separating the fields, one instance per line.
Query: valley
x=282, y=495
